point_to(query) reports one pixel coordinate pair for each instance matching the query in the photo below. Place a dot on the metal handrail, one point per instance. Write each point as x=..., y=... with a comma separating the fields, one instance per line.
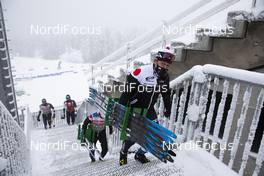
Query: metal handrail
x=147, y=46
x=226, y=72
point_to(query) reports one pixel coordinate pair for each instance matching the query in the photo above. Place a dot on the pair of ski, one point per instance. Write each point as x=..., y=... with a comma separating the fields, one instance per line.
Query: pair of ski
x=147, y=135
x=133, y=126
x=92, y=147
x=88, y=144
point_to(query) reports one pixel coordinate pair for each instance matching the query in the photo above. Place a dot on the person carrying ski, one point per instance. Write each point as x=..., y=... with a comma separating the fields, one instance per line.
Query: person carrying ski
x=94, y=129
x=144, y=86
x=46, y=110
x=69, y=110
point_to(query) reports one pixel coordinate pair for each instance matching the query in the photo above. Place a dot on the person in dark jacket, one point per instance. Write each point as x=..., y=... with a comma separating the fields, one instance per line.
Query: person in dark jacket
x=144, y=85
x=46, y=110
x=69, y=110
x=96, y=124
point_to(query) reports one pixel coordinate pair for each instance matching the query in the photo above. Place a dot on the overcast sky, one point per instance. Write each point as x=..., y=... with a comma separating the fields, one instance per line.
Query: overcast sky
x=119, y=14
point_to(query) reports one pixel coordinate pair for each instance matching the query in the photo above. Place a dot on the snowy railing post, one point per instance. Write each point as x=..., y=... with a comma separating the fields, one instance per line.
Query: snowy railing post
x=211, y=110
x=240, y=124
x=161, y=112
x=252, y=131
x=194, y=111
x=202, y=108
x=229, y=118
x=220, y=112
x=173, y=112
x=260, y=158
x=183, y=98
x=28, y=125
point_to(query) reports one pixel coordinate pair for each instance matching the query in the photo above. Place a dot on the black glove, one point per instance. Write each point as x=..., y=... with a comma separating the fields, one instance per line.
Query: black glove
x=111, y=130
x=167, y=114
x=38, y=119
x=82, y=138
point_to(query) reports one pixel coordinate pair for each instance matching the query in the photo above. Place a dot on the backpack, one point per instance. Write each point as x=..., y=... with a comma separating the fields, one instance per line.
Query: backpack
x=69, y=106
x=98, y=123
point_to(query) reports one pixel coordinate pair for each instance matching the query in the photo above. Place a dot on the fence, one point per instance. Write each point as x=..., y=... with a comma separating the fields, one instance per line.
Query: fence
x=57, y=121
x=223, y=107
x=14, y=151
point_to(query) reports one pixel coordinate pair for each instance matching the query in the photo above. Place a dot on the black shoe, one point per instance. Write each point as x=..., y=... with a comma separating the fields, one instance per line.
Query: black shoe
x=141, y=158
x=45, y=128
x=92, y=160
x=49, y=126
x=122, y=159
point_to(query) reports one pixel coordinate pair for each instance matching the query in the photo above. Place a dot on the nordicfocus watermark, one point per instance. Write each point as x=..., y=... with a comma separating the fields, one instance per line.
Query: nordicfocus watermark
x=190, y=29
x=131, y=87
x=197, y=145
x=65, y=29
x=60, y=146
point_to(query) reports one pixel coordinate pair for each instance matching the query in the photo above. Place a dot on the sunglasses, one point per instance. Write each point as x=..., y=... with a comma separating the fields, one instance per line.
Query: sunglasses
x=168, y=56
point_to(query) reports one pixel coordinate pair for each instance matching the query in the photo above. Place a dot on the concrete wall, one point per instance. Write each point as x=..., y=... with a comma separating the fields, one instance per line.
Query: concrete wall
x=243, y=53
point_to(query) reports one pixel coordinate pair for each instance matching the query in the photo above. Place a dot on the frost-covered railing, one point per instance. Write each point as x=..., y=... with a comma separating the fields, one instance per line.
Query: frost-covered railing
x=220, y=106
x=57, y=121
x=13, y=146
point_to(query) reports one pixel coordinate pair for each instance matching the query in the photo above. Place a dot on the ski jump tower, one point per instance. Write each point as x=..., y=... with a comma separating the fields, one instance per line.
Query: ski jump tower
x=7, y=92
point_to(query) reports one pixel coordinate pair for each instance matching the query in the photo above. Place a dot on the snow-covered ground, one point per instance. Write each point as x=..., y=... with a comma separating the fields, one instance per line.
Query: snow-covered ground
x=3, y=163
x=37, y=78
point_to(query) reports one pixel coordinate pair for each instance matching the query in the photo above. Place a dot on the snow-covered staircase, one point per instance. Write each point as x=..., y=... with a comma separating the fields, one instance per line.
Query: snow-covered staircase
x=72, y=161
x=75, y=161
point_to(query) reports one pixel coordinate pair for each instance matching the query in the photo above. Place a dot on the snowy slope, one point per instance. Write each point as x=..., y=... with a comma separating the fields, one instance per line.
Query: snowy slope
x=39, y=78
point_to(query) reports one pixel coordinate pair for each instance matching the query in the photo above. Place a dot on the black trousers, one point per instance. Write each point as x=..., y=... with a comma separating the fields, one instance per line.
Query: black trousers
x=46, y=120
x=101, y=136
x=126, y=145
x=152, y=115
x=70, y=116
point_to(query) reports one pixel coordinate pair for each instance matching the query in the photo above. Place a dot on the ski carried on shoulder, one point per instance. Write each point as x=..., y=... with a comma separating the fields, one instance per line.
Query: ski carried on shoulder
x=136, y=127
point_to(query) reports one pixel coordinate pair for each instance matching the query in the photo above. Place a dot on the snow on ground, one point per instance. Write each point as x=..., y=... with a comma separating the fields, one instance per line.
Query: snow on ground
x=3, y=163
x=38, y=78
x=65, y=157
